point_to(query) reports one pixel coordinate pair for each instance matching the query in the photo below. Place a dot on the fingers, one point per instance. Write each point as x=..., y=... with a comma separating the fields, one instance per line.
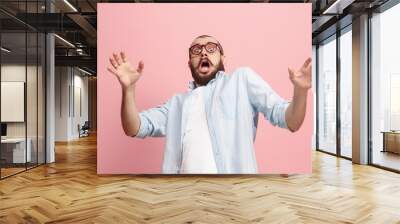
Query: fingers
x=112, y=70
x=113, y=63
x=123, y=56
x=307, y=63
x=309, y=67
x=117, y=59
x=291, y=72
x=140, y=67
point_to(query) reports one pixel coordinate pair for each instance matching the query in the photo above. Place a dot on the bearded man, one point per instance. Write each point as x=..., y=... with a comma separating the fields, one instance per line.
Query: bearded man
x=211, y=128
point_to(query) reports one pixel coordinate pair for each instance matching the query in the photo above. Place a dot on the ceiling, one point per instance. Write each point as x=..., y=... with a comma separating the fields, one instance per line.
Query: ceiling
x=76, y=22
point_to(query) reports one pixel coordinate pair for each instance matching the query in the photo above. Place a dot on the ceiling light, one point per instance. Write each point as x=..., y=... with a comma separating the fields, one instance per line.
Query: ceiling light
x=84, y=71
x=64, y=40
x=5, y=50
x=70, y=5
x=337, y=7
x=333, y=6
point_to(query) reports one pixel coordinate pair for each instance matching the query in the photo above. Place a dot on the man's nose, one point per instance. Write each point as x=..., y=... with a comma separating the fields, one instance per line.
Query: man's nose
x=203, y=51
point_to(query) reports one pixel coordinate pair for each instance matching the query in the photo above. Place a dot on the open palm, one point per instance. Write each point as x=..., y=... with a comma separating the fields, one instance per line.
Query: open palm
x=302, y=77
x=124, y=71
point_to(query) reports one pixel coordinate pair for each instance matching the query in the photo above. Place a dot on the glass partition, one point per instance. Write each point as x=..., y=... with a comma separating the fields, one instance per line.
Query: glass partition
x=22, y=77
x=14, y=153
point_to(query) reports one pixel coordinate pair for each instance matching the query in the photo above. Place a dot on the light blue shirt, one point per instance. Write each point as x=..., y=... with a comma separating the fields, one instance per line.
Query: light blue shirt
x=232, y=104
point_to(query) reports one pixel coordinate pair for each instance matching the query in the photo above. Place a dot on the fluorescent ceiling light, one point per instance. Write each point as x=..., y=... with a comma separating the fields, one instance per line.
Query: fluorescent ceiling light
x=70, y=5
x=65, y=41
x=5, y=50
x=84, y=71
x=337, y=7
x=331, y=7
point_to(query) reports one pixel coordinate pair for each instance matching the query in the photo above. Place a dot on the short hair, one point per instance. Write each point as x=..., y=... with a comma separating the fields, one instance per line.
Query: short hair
x=219, y=45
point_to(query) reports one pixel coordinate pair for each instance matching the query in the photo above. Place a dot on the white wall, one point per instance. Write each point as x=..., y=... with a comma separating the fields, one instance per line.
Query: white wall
x=62, y=81
x=15, y=72
x=81, y=84
x=71, y=93
x=12, y=73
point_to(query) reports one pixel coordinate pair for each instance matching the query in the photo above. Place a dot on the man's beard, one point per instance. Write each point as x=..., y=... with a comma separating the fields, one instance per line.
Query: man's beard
x=203, y=80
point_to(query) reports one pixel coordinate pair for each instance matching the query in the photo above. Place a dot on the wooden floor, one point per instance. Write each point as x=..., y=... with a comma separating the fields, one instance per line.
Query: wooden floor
x=387, y=159
x=5, y=172
x=70, y=191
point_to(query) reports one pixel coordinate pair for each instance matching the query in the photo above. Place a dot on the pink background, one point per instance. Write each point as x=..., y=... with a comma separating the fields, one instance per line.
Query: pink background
x=266, y=37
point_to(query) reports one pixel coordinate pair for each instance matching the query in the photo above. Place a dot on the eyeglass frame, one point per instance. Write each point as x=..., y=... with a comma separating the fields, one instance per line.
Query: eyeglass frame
x=204, y=46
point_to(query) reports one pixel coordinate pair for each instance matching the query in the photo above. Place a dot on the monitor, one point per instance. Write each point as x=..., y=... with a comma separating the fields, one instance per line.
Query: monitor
x=3, y=129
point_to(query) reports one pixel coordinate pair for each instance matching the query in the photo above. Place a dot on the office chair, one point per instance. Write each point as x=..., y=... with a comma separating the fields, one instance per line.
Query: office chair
x=84, y=130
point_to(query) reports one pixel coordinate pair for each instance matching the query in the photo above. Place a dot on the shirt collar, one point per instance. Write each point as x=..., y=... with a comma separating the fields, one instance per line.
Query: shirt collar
x=193, y=85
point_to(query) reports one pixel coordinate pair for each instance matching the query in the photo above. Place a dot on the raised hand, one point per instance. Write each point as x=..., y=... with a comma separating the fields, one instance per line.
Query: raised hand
x=123, y=70
x=302, y=77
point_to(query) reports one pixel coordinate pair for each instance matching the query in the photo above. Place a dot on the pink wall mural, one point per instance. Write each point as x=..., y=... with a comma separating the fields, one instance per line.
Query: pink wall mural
x=268, y=38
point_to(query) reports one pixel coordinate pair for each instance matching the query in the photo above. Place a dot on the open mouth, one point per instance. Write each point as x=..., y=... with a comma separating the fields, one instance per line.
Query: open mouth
x=204, y=66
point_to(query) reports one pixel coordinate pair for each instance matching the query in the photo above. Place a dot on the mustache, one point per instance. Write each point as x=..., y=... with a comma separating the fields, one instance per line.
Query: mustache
x=204, y=80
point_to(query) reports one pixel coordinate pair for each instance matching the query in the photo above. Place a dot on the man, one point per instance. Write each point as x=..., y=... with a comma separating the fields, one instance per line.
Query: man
x=211, y=129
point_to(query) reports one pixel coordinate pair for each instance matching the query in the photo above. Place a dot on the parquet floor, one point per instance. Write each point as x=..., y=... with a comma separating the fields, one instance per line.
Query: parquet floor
x=70, y=191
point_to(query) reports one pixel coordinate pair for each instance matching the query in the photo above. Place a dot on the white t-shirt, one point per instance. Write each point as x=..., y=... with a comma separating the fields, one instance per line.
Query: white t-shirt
x=197, y=155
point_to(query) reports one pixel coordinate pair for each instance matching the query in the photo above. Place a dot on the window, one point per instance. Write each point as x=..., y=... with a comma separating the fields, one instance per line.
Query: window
x=327, y=95
x=346, y=92
x=385, y=88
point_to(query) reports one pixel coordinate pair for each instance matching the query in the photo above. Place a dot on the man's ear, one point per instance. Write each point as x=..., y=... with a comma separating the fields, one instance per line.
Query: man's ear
x=223, y=58
x=189, y=63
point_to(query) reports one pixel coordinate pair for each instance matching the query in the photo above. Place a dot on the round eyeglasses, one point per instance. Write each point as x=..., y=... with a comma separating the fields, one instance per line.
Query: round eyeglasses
x=198, y=48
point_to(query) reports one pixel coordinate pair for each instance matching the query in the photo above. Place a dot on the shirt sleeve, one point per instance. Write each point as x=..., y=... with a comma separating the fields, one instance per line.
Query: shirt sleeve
x=153, y=121
x=265, y=100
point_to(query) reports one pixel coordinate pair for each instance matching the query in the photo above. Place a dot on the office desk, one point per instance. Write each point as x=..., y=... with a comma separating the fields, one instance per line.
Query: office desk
x=13, y=150
x=391, y=141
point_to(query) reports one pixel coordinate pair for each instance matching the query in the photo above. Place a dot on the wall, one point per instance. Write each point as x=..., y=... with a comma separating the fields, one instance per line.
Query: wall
x=283, y=40
x=14, y=73
x=17, y=73
x=71, y=102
